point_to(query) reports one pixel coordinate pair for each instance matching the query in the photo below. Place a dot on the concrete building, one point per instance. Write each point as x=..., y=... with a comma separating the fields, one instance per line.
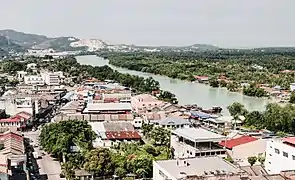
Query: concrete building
x=51, y=79
x=196, y=142
x=172, y=123
x=32, y=66
x=280, y=155
x=206, y=168
x=34, y=80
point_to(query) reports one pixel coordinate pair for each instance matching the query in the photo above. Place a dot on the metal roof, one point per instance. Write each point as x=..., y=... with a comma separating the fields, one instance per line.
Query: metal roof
x=198, y=135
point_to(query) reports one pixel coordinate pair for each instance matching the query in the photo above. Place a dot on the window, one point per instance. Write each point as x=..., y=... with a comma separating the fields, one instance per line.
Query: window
x=293, y=157
x=285, y=154
x=270, y=155
x=277, y=151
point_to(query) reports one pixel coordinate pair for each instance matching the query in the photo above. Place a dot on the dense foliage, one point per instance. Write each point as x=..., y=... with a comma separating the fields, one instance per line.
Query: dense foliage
x=58, y=138
x=275, y=117
x=237, y=67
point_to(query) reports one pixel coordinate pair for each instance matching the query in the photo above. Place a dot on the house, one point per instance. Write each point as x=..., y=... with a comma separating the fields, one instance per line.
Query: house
x=223, y=122
x=19, y=121
x=72, y=107
x=292, y=87
x=112, y=133
x=196, y=142
x=202, y=79
x=280, y=155
x=172, y=123
x=108, y=108
x=207, y=168
x=120, y=97
x=240, y=148
x=144, y=102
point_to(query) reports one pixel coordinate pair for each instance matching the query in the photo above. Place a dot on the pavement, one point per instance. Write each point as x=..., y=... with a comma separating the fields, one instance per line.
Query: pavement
x=47, y=166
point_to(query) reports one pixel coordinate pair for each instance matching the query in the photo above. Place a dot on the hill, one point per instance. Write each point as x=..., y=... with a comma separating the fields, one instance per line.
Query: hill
x=34, y=41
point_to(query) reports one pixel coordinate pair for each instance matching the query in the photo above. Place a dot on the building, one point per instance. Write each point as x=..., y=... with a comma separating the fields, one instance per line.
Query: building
x=196, y=142
x=34, y=80
x=21, y=75
x=32, y=66
x=172, y=123
x=117, y=97
x=144, y=102
x=12, y=154
x=280, y=155
x=202, y=79
x=112, y=133
x=108, y=108
x=51, y=79
x=240, y=148
x=20, y=121
x=206, y=168
x=292, y=87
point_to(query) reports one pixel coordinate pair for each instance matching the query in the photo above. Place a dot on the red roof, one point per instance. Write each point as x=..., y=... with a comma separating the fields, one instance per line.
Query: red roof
x=289, y=140
x=24, y=115
x=11, y=135
x=236, y=142
x=14, y=119
x=123, y=135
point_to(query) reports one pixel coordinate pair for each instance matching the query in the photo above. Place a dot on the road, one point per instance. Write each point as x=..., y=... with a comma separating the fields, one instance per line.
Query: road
x=46, y=164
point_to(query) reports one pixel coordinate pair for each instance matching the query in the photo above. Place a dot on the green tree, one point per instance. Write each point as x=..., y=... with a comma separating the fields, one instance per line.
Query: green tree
x=237, y=109
x=261, y=159
x=214, y=83
x=99, y=161
x=252, y=160
x=292, y=98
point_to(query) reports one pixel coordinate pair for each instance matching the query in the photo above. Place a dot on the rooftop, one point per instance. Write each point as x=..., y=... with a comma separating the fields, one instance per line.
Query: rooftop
x=198, y=134
x=237, y=141
x=198, y=167
x=289, y=140
x=108, y=106
x=173, y=121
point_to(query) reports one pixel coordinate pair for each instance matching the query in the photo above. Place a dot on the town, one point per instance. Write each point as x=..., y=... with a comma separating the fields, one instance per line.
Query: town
x=60, y=119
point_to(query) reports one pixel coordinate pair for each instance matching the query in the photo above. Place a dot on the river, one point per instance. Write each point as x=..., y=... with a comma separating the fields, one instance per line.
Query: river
x=187, y=92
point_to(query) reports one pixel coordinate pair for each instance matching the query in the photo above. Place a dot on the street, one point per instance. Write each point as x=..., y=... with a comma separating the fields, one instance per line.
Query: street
x=47, y=166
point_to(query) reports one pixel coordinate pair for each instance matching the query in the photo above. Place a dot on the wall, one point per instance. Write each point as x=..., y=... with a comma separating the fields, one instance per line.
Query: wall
x=160, y=174
x=275, y=163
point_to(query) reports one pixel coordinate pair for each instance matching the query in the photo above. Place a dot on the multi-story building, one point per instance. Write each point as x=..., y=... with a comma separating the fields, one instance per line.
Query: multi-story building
x=280, y=155
x=196, y=142
x=51, y=79
x=21, y=75
x=34, y=80
x=144, y=102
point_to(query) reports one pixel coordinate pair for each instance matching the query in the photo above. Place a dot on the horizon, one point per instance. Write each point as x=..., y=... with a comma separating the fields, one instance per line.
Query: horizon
x=226, y=24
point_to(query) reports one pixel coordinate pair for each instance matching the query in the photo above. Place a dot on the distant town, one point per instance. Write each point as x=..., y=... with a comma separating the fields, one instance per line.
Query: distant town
x=61, y=119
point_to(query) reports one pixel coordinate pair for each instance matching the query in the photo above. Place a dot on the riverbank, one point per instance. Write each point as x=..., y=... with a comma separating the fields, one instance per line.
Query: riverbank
x=187, y=92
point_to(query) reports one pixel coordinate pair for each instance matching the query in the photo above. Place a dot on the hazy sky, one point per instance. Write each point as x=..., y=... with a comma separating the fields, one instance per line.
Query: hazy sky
x=226, y=23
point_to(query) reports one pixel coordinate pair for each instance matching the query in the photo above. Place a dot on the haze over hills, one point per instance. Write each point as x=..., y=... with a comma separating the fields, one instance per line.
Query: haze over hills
x=14, y=41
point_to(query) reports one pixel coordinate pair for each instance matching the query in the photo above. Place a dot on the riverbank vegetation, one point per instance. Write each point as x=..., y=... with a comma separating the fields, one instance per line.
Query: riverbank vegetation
x=228, y=69
x=276, y=118
x=72, y=140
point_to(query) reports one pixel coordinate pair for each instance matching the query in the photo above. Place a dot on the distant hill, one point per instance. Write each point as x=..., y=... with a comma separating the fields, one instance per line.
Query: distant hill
x=7, y=46
x=34, y=41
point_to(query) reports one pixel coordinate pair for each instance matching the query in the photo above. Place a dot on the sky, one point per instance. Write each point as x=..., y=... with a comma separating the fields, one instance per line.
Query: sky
x=225, y=23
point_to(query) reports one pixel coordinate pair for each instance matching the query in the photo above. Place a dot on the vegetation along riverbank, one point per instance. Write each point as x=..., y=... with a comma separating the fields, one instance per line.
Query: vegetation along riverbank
x=253, y=72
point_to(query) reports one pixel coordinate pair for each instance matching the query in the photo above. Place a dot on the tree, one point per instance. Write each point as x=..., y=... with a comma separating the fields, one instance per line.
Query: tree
x=237, y=109
x=261, y=159
x=68, y=170
x=214, y=83
x=57, y=138
x=99, y=161
x=252, y=160
x=292, y=98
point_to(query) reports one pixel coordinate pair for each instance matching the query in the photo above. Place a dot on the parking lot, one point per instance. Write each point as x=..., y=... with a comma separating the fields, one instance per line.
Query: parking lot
x=47, y=166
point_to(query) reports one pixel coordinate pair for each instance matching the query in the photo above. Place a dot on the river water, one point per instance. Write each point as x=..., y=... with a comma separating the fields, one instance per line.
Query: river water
x=187, y=92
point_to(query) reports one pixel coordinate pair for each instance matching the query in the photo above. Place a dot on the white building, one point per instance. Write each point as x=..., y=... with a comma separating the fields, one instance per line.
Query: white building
x=209, y=168
x=32, y=66
x=280, y=155
x=21, y=75
x=292, y=87
x=196, y=142
x=34, y=80
x=51, y=79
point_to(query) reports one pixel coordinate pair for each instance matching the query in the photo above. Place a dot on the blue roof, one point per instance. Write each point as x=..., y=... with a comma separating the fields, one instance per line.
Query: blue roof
x=200, y=114
x=68, y=96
